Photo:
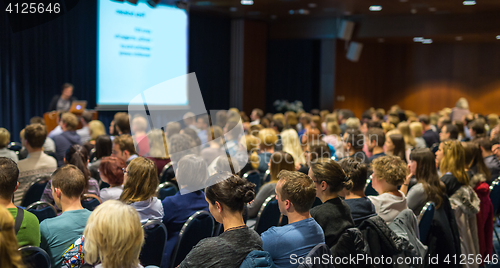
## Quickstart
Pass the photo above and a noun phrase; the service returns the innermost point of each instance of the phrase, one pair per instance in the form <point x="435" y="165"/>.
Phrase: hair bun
<point x="245" y="191"/>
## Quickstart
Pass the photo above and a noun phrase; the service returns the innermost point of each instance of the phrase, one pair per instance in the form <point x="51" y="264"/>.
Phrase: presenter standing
<point x="63" y="102"/>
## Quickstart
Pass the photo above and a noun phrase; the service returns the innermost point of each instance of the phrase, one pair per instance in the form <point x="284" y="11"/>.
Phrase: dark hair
<point x="280" y="161"/>
<point x="452" y="130"/>
<point x="103" y="146"/>
<point x="278" y="124"/>
<point x="379" y="115"/>
<point x="477" y="126"/>
<point x="399" y="146"/>
<point x="356" y="171"/>
<point x="70" y="180"/>
<point x="8" y="177"/>
<point x="259" y="112"/>
<point x="221" y="118"/>
<point x="376" y="134"/>
<point x="192" y="133"/>
<point x="37" y="120"/>
<point x="35" y="134"/>
<point x="424" y="119"/>
<point x="122" y="123"/>
<point x="331" y="172"/>
<point x="355" y="138"/>
<point x="112" y="167"/>
<point x="486" y="143"/>
<point x="319" y="149"/>
<point x="78" y="156"/>
<point x="474" y="159"/>
<point x="231" y="190"/>
<point x="426" y="174"/>
<point x="298" y="188"/>
<point x="65" y="86"/>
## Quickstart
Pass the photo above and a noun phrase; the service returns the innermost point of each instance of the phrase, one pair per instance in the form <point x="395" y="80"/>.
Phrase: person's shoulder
<point x="30" y="219"/>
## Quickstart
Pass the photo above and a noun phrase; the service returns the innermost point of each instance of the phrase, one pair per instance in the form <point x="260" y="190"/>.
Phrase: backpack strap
<point x="19" y="219"/>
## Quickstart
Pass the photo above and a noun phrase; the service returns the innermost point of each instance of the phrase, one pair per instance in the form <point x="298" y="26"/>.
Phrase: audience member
<point x="460" y="110"/>
<point x="305" y="124"/>
<point x="291" y="145"/>
<point x="334" y="216"/>
<point x="450" y="157"/>
<point x="429" y="135"/>
<point x="121" y="124"/>
<point x="28" y="231"/>
<point x="202" y="124"/>
<point x="59" y="233"/>
<point x="189" y="120"/>
<point x="110" y="243"/>
<point x="215" y="145"/>
<point x="139" y="190"/>
<point x="255" y="116"/>
<point x="48" y="145"/>
<point x="279" y="161"/>
<point x="295" y="193"/>
<point x="490" y="159"/>
<point x="158" y="149"/>
<point x="96" y="129"/>
<point x="389" y="172"/>
<point x="448" y="132"/>
<point x="410" y="142"/>
<point x="477" y="129"/>
<point x="334" y="139"/>
<point x="38" y="164"/>
<point x="9" y="255"/>
<point x="111" y="172"/>
<point x="267" y="139"/>
<point x="395" y="145"/>
<point x="139" y="127"/>
<point x="124" y="148"/>
<point x="84" y="132"/>
<point x="354" y="141"/>
<point x="226" y="201"/>
<point x="192" y="172"/>
<point x="4" y="141"/>
<point x="375" y="138"/>
<point x="103" y="148"/>
<point x="67" y="138"/>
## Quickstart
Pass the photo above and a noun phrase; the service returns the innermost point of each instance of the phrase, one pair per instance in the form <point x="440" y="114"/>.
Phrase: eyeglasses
<point x="124" y="170"/>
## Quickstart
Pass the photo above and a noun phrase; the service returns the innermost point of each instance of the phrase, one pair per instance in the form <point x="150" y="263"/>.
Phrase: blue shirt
<point x="178" y="208"/>
<point x="59" y="233"/>
<point x="297" y="238"/>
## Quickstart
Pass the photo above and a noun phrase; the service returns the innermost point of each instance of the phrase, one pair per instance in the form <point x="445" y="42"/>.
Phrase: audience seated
<point x="267" y="139"/>
<point x="84" y="132"/>
<point x="124" y="148"/>
<point x="191" y="171"/>
<point x="111" y="172"/>
<point x="375" y="137"/>
<point x="333" y="138"/>
<point x="490" y="159"/>
<point x="295" y="193"/>
<point x="291" y="145"/>
<point x="361" y="207"/>
<point x="395" y="145"/>
<point x="96" y="129"/>
<point x="429" y="135"/>
<point x="215" y="145"/>
<point x="202" y="124"/>
<point x="28" y="233"/>
<point x="334" y="216"/>
<point x="389" y="172"/>
<point x="139" y="127"/>
<point x="417" y="132"/>
<point x="103" y="148"/>
<point x="255" y="116"/>
<point x="354" y="141"/>
<point x="121" y="124"/>
<point x="37" y="164"/>
<point x="67" y="138"/>
<point x="9" y="255"/>
<point x="410" y="143"/>
<point x="57" y="234"/>
<point x="158" y="149"/>
<point x="226" y="200"/>
<point x="279" y="161"/>
<point x="4" y="141"/>
<point x="139" y="190"/>
<point x="77" y="156"/>
<point x="48" y="145"/>
<point x="108" y="242"/>
<point x="450" y="157"/>
<point x="448" y="132"/>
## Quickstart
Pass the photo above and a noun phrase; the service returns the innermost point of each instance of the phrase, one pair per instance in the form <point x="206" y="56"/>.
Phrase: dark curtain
<point x="34" y="64"/>
<point x="293" y="72"/>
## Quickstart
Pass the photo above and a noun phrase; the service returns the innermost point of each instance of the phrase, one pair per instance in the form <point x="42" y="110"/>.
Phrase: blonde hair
<point x="252" y="146"/>
<point x="267" y="137"/>
<point x="387" y="127"/>
<point x="332" y="128"/>
<point x="139" y="123"/>
<point x="291" y="145"/>
<point x="70" y="120"/>
<point x="352" y="122"/>
<point x="97" y="129"/>
<point x="4" y="137"/>
<point x="158" y="147"/>
<point x="462" y="103"/>
<point x="416" y="129"/>
<point x="9" y="255"/>
<point x="215" y="133"/>
<point x="404" y="128"/>
<point x="390" y="168"/>
<point x="113" y="236"/>
<point x="454" y="161"/>
<point x="142" y="181"/>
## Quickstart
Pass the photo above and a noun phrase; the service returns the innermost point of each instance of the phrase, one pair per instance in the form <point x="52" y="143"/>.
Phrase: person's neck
<point x="377" y="150"/>
<point x="355" y="195"/>
<point x="327" y="196"/>
<point x="233" y="220"/>
<point x="7" y="203"/>
<point x="354" y="152"/>
<point x="33" y="150"/>
<point x="487" y="153"/>
<point x="427" y="127"/>
<point x="391" y="190"/>
<point x="68" y="204"/>
<point x="267" y="150"/>
<point x="296" y="216"/>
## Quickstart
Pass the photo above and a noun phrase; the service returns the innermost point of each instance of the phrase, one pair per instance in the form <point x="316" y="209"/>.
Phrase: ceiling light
<point x="413" y="11"/>
<point x="498" y="37"/>
<point x="247" y="2"/>
<point x="459" y="38"/>
<point x="375" y="8"/>
<point x="427" y="41"/>
<point x="418" y="39"/>
<point x="312" y="5"/>
<point x="432" y="9"/>
<point x="469" y="2"/>
<point x="303" y="11"/>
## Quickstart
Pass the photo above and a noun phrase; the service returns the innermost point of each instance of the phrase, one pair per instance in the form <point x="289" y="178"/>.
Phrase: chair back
<point x="317" y="252"/>
<point x="155" y="234"/>
<point x="269" y="215"/>
<point x="253" y="176"/>
<point x="35" y="191"/>
<point x="44" y="213"/>
<point x="90" y="201"/>
<point x="266" y="177"/>
<point x="165" y="175"/>
<point x="15" y="146"/>
<point x="218" y="229"/>
<point x="166" y="189"/>
<point x="495" y="195"/>
<point x="199" y="226"/>
<point x="369" y="188"/>
<point x="425" y="221"/>
<point x="35" y="257"/>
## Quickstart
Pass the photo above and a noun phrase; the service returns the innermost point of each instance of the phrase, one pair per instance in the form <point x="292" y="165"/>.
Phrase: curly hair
<point x="391" y="169"/>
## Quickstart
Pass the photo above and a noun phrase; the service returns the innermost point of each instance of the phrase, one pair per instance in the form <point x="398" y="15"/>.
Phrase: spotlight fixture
<point x="375" y="8"/>
<point x="469" y="2"/>
<point x="247" y="2"/>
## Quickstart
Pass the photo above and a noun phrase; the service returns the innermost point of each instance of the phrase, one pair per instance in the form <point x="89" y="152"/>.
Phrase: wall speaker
<point x="354" y="51"/>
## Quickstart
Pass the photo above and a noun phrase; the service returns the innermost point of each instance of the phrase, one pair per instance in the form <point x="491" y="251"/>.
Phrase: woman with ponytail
<point x="334" y="215"/>
<point x="226" y="201"/>
<point x="76" y="155"/>
<point x="9" y="255"/>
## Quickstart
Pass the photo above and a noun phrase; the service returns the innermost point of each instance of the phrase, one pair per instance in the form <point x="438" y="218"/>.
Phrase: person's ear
<point x="288" y="204"/>
<point x="58" y="192"/>
<point x="17" y="186"/>
<point x="218" y="206"/>
<point x="323" y="185"/>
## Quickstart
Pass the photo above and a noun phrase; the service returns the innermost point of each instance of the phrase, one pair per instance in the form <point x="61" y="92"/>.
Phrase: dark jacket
<point x="406" y="227"/>
<point x="258" y="259"/>
<point x="63" y="142"/>
<point x="334" y="216"/>
<point x="430" y="138"/>
<point x="493" y="165"/>
<point x="55" y="99"/>
<point x="350" y="244"/>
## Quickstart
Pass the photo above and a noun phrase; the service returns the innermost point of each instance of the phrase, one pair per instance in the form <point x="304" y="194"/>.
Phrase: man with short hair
<point x="26" y="224"/>
<point x="490" y="159"/>
<point x="63" y="102"/>
<point x="139" y="128"/>
<point x="124" y="148"/>
<point x="190" y="121"/>
<point x="354" y="141"/>
<point x="429" y="135"/>
<point x="448" y="132"/>
<point x="375" y="138"/>
<point x="202" y="124"/>
<point x="67" y="138"/>
<point x="121" y="124"/>
<point x="37" y="164"/>
<point x="84" y="132"/>
<point x="255" y="116"/>
<point x="477" y="129"/>
<point x="49" y="144"/>
<point x="295" y="193"/>
<point x="59" y="233"/>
